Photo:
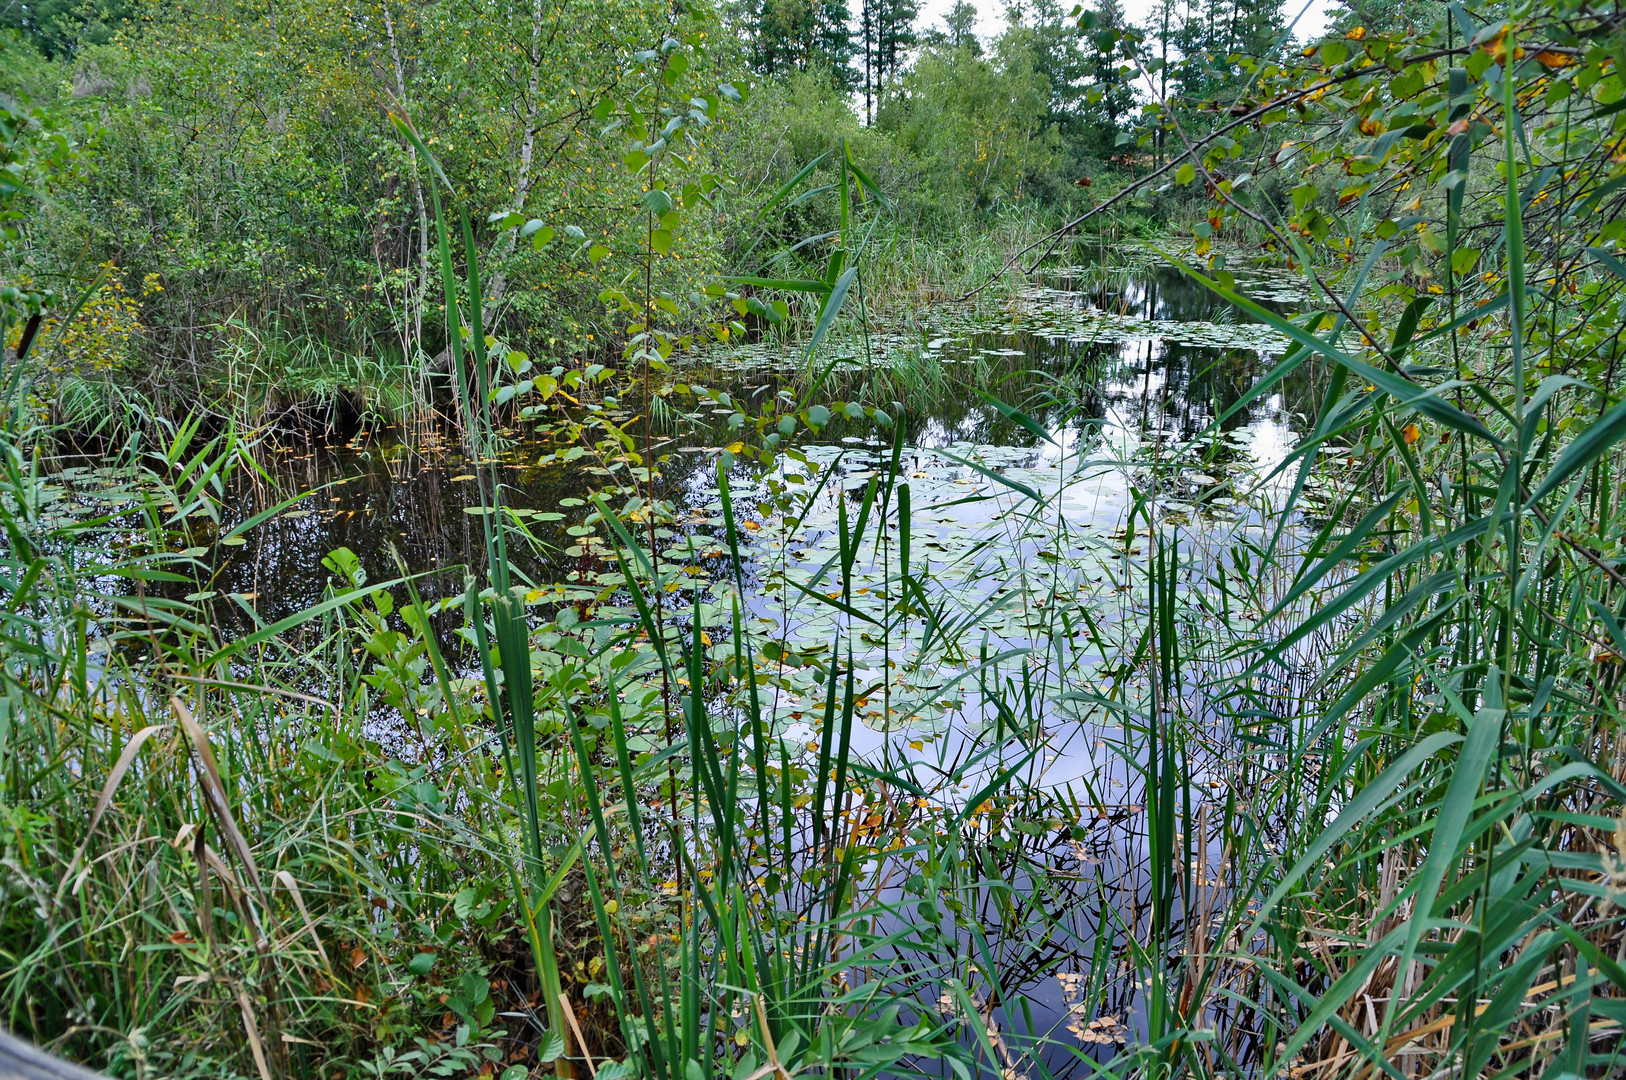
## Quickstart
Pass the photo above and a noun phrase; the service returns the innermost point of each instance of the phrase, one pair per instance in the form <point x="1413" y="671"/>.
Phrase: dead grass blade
<point x="214" y="790"/>
<point x="109" y="789"/>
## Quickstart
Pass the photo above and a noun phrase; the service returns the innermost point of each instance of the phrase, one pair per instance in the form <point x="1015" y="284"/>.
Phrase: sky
<point x="991" y="15"/>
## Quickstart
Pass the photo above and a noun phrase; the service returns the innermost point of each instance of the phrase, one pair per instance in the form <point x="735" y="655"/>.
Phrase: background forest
<point x="245" y="187"/>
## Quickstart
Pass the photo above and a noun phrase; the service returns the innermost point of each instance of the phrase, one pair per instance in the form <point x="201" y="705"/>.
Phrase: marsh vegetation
<point x="651" y="541"/>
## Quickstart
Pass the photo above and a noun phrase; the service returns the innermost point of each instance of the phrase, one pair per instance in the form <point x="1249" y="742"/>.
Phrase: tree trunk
<point x="413" y="335"/>
<point x="527" y="147"/>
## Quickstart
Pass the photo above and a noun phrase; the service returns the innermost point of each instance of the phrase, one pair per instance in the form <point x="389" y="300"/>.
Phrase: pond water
<point x="1146" y="364"/>
<point x="1018" y="540"/>
<point x="1123" y="370"/>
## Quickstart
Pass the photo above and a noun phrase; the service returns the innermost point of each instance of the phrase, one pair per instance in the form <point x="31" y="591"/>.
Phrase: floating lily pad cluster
<point x="1014" y="552"/>
<point x="1064" y="313"/>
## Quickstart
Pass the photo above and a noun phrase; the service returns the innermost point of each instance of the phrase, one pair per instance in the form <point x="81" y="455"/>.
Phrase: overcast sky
<point x="991" y="14"/>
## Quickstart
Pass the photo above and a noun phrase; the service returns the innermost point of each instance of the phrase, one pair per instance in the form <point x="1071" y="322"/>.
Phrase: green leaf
<point x="1606" y="260"/>
<point x="790" y="185"/>
<point x="1594" y="442"/>
<point x="998" y="478"/>
<point x="864" y="182"/>
<point x="342" y="562"/>
<point x="822" y="288"/>
<point x="1423" y="399"/>
<point x="658" y="202"/>
<point x="1016" y="415"/>
<point x="817" y="417"/>
<point x="551" y="1048"/>
<point x="832" y="308"/>
<point x="421" y="964"/>
<point x="661" y="241"/>
<point x="1467" y="774"/>
<point x="1185" y="174"/>
<point x="1407" y="326"/>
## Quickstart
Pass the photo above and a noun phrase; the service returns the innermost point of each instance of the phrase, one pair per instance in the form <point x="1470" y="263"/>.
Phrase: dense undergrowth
<point x="266" y="239"/>
<point x="1354" y="787"/>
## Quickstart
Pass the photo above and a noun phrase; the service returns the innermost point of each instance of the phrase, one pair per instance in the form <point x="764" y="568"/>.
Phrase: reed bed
<point x="1355" y="806"/>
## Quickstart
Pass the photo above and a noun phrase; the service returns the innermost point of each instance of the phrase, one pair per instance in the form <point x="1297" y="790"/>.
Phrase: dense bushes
<point x="247" y="170"/>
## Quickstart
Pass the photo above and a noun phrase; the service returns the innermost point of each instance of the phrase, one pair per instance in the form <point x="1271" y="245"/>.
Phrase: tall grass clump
<point x="1371" y="746"/>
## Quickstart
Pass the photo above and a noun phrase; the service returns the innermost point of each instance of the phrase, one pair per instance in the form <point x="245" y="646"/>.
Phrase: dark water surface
<point x="379" y="496"/>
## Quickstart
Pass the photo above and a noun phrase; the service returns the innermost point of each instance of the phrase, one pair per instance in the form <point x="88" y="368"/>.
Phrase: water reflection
<point x="1128" y="394"/>
<point x="379" y="498"/>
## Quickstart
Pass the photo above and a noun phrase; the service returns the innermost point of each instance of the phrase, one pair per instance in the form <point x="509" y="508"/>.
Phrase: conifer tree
<point x="800" y="35"/>
<point x="887" y="30"/>
<point x="961" y="24"/>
